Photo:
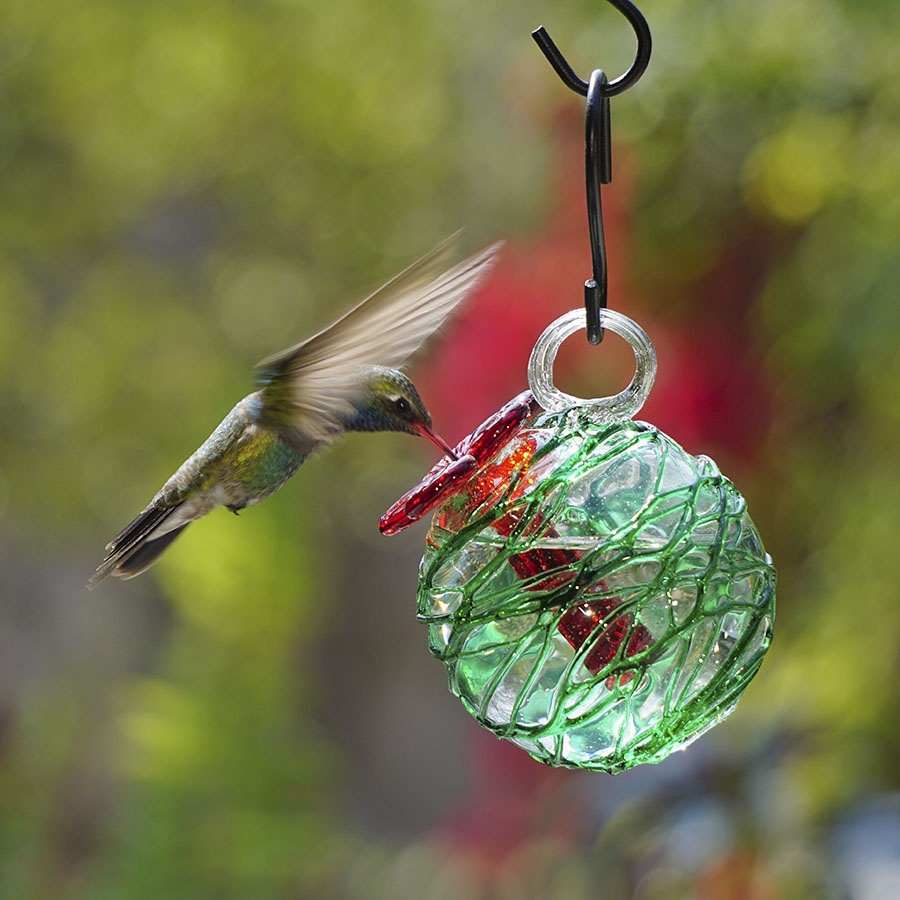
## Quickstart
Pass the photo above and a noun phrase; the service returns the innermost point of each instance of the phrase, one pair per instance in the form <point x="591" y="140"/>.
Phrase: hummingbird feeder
<point x="598" y="596"/>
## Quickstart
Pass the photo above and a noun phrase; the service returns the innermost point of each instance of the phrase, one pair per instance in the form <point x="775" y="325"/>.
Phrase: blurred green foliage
<point x="188" y="186"/>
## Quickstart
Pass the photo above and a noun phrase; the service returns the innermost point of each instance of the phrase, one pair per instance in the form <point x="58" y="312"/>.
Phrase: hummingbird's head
<point x="392" y="403"/>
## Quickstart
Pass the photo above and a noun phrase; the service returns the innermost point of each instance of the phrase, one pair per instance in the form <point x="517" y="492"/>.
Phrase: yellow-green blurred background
<point x="188" y="186"/>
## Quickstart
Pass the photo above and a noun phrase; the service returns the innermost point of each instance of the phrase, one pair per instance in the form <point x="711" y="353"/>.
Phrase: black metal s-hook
<point x="598" y="145"/>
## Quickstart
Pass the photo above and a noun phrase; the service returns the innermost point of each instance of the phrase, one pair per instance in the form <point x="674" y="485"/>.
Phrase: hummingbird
<point x="344" y="378"/>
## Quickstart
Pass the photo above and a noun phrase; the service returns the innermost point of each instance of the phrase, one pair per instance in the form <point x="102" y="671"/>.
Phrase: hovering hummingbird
<point x="341" y="379"/>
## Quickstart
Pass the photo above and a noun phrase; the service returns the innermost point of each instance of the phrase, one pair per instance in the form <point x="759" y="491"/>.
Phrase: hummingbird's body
<point x="339" y="380"/>
<point x="240" y="463"/>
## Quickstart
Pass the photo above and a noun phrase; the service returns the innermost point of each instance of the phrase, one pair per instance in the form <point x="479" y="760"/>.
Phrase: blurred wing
<point x="309" y="388"/>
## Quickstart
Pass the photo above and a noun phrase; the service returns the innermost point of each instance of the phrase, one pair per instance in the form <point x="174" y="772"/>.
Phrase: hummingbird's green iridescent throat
<point x="344" y="378"/>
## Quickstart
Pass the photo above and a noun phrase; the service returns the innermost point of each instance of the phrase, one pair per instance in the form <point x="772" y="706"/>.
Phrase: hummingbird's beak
<point x="436" y="439"/>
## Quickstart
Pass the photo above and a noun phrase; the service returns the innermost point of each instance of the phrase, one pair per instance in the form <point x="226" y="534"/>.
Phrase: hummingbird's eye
<point x="402" y="407"/>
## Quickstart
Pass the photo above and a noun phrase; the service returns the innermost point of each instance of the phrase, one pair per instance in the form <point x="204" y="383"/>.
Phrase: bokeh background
<point x="188" y="186"/>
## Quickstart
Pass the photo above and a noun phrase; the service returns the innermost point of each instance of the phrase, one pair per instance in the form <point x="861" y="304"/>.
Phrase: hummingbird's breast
<point x="257" y="465"/>
<point x="239" y="464"/>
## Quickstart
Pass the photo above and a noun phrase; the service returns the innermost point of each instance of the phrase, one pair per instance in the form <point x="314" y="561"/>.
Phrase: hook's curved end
<point x="623" y="82"/>
<point x="644" y="47"/>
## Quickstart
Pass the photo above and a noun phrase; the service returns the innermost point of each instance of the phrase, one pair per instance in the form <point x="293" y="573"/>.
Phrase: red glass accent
<point x="579" y="622"/>
<point x="443" y="480"/>
<point x="497" y="431"/>
<point x="447" y="476"/>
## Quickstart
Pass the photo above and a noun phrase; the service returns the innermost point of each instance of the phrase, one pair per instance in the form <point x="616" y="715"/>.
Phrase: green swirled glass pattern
<point x="598" y="596"/>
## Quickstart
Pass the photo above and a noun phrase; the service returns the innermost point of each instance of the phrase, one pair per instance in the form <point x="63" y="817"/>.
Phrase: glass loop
<point x="617" y="407"/>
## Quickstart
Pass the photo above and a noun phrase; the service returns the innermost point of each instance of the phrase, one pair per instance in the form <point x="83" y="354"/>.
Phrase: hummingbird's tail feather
<point x="133" y="550"/>
<point x="147" y="553"/>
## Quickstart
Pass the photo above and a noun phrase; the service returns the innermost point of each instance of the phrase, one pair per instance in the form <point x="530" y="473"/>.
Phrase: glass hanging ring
<point x="617" y="407"/>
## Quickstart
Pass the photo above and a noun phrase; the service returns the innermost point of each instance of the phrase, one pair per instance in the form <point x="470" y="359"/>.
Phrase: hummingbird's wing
<point x="310" y="387"/>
